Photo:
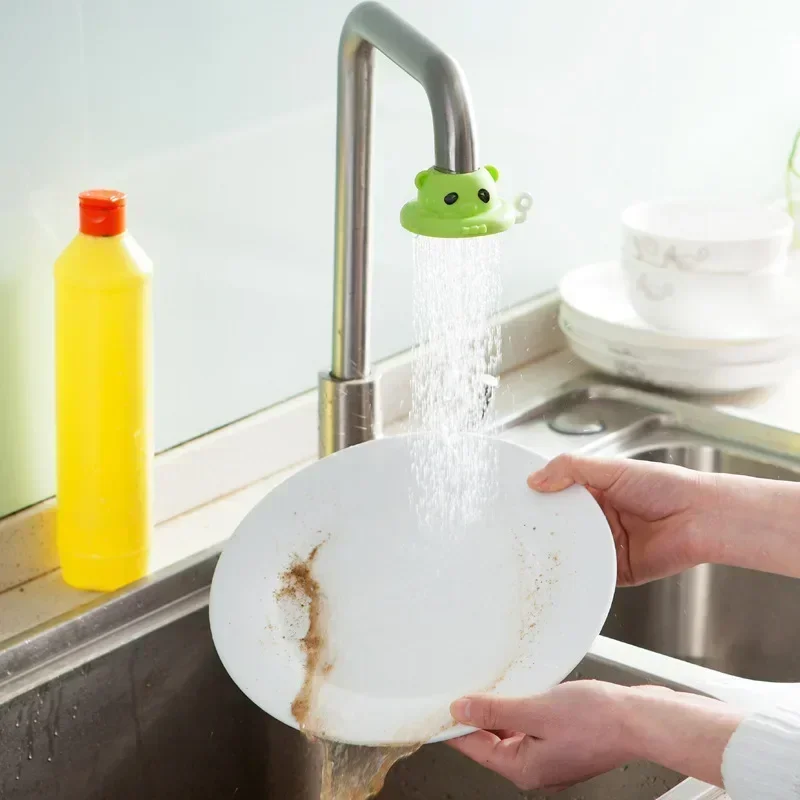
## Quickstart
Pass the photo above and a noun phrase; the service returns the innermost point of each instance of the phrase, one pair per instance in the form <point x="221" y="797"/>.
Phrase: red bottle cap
<point x="102" y="212"/>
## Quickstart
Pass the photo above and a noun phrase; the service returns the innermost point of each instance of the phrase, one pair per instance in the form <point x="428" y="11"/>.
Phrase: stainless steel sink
<point x="128" y="700"/>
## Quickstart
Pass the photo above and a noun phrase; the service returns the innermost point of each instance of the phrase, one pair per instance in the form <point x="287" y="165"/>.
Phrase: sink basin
<point x="134" y="704"/>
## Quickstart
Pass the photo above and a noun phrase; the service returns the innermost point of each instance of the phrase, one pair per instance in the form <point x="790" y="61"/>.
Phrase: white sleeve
<point x="762" y="759"/>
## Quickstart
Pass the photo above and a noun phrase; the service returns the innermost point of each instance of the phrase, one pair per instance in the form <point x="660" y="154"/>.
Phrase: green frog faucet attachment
<point x="459" y="205"/>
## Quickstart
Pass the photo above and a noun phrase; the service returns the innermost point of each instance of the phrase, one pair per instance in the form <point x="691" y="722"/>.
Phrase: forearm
<point x="754" y="524"/>
<point x="679" y="731"/>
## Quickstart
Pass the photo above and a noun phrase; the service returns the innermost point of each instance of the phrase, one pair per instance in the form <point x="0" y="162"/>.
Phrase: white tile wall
<point x="217" y="117"/>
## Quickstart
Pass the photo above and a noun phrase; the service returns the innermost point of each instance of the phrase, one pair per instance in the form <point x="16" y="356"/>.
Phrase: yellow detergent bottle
<point x="103" y="399"/>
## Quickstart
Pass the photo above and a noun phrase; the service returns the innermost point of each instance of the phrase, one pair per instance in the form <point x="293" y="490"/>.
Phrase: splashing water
<point x="456" y="293"/>
<point x="354" y="773"/>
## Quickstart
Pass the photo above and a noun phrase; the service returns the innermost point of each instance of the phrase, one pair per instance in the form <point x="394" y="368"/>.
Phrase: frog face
<point x="457" y="196"/>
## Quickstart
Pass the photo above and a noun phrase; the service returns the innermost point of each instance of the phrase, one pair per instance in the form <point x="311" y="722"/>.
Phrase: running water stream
<point x="456" y="295"/>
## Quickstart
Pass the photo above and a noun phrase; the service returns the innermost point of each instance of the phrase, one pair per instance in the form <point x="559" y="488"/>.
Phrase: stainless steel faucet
<point x="348" y="394"/>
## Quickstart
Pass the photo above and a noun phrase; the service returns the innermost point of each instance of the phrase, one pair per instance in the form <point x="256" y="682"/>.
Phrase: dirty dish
<point x="406" y="617"/>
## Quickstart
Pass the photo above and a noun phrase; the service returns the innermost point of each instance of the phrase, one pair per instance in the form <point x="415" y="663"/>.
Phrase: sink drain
<point x="577" y="422"/>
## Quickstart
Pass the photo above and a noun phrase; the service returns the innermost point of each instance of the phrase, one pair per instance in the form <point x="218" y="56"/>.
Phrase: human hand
<point x="549" y="742"/>
<point x="581" y="729"/>
<point x="661" y="516"/>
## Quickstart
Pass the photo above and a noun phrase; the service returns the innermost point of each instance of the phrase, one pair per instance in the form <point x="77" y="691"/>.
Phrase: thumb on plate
<point x="491" y="713"/>
<point x="566" y="470"/>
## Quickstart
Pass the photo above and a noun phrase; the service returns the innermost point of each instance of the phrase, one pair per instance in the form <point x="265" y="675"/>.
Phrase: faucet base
<point x="348" y="412"/>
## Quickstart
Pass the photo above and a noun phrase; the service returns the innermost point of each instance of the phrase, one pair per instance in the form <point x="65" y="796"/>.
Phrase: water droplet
<point x="30" y="756"/>
<point x="50" y="759"/>
<point x="55" y="732"/>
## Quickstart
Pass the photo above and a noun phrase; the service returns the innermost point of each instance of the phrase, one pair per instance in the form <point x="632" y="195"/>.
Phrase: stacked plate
<point x="604" y="331"/>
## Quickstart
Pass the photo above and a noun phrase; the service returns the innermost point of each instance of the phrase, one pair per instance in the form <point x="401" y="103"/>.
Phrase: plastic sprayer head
<point x="457" y="206"/>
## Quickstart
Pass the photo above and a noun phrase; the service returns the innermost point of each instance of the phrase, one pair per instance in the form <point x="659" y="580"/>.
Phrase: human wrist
<point x="636" y="709"/>
<point x="751" y="523"/>
<point x="682" y="732"/>
<point x="726" y="508"/>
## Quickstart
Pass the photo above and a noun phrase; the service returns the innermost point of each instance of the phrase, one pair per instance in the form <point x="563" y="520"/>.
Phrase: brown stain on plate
<point x="298" y="583"/>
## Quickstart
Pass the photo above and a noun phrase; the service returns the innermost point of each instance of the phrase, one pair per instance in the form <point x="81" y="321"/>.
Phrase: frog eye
<point x="484" y="195"/>
<point x="450" y="198"/>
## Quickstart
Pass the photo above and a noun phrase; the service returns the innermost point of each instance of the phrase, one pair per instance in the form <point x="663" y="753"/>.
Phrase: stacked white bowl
<point x="701" y="300"/>
<point x="704" y="271"/>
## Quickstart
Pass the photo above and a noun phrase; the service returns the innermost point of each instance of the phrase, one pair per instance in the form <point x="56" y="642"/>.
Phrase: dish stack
<point x="701" y="301"/>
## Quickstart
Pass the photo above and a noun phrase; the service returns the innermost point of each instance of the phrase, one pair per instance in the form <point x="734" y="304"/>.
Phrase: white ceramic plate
<point x="510" y="603"/>
<point x="709" y="380"/>
<point x="596" y="294"/>
<point x="623" y="345"/>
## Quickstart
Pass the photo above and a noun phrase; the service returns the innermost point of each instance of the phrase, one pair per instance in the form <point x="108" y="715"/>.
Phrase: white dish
<point x="417" y="618"/>
<point x="703" y="304"/>
<point x="596" y="295"/>
<point x="711" y="380"/>
<point x="692" y="237"/>
<point x="625" y="346"/>
<point x="666" y="358"/>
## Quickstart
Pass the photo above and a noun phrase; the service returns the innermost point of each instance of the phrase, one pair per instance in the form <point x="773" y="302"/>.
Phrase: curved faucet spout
<point x="371" y="25"/>
<point x="347" y="393"/>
